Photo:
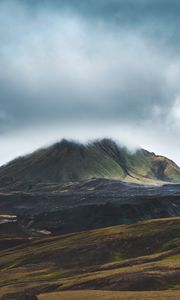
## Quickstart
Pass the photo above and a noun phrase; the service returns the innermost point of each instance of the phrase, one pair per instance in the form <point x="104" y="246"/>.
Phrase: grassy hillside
<point x="149" y="165"/>
<point x="141" y="257"/>
<point x="109" y="295"/>
<point x="70" y="162"/>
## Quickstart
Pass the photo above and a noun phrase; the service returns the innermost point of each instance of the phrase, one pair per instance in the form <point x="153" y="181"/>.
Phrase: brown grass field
<point x="111" y="295"/>
<point x="137" y="261"/>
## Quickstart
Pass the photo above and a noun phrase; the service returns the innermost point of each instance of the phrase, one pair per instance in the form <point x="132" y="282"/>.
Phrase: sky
<point x="84" y="70"/>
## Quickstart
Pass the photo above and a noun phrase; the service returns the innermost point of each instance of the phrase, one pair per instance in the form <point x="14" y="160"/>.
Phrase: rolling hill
<point x="68" y="161"/>
<point x="137" y="257"/>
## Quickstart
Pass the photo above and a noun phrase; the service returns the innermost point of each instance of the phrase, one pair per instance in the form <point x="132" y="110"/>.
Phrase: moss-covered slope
<point x="70" y="162"/>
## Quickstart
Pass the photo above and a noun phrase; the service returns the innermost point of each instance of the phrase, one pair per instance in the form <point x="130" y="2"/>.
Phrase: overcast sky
<point x="88" y="69"/>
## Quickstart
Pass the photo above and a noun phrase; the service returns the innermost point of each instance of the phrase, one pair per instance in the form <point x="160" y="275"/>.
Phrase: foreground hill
<point x="71" y="162"/>
<point x="111" y="295"/>
<point x="140" y="257"/>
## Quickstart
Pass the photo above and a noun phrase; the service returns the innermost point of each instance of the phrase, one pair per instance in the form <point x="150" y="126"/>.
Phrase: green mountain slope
<point x="68" y="161"/>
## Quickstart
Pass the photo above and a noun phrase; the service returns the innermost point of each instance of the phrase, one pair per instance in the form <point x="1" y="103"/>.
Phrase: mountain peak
<point x="69" y="161"/>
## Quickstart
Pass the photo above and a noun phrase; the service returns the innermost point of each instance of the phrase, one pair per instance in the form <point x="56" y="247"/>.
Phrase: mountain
<point x="68" y="161"/>
<point x="59" y="207"/>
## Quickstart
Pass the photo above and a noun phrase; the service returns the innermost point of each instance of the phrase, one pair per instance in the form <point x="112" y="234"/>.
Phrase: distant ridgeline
<point x="69" y="161"/>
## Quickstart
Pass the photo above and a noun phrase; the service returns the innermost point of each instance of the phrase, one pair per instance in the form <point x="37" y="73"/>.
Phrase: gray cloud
<point x="89" y="62"/>
<point x="157" y="18"/>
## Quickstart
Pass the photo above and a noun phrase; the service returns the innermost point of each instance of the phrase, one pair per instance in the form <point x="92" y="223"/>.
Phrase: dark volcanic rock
<point x="109" y="203"/>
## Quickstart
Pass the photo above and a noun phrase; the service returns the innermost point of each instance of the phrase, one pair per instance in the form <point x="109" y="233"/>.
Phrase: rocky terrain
<point x="93" y="204"/>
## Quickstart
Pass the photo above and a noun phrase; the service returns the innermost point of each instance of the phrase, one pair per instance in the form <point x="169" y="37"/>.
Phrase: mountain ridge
<point x="69" y="161"/>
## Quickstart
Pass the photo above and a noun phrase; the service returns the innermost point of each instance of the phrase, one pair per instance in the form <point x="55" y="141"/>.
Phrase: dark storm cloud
<point x="128" y="90"/>
<point x="129" y="10"/>
<point x="156" y="17"/>
<point x="89" y="61"/>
